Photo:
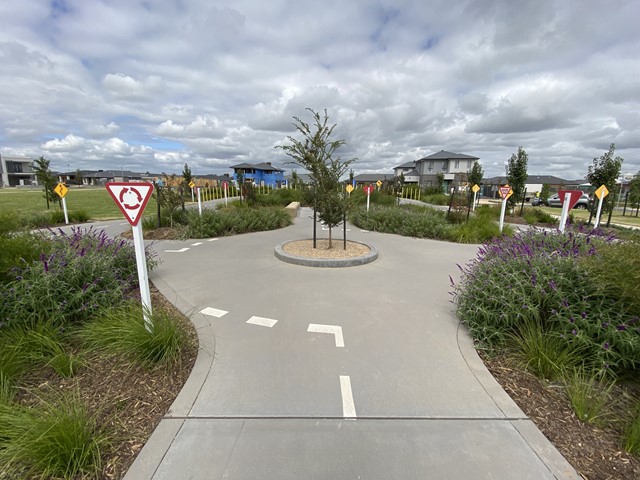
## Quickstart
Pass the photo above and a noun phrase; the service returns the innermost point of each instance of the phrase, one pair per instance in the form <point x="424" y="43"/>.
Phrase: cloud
<point x="99" y="84"/>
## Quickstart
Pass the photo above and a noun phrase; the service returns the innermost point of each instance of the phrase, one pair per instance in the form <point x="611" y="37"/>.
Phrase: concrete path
<point x="347" y="373"/>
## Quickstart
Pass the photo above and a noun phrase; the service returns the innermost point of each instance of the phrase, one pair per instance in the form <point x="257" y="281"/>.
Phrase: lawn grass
<point x="617" y="218"/>
<point x="95" y="201"/>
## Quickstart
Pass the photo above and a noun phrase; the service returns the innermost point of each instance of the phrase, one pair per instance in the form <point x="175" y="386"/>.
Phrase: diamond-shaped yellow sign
<point x="349" y="188"/>
<point x="191" y="184"/>
<point x="475" y="188"/>
<point x="379" y="183"/>
<point x="61" y="189"/>
<point x="602" y="192"/>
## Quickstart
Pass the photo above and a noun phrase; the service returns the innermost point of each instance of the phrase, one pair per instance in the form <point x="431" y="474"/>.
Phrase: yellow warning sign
<point x="61" y="189"/>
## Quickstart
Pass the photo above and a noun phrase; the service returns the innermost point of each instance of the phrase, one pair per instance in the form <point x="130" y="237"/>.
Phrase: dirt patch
<point x="304" y="248"/>
<point x="595" y="453"/>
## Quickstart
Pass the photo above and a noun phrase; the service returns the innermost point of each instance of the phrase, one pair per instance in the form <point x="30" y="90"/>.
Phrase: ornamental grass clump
<point x="232" y="221"/>
<point x="540" y="277"/>
<point x="76" y="275"/>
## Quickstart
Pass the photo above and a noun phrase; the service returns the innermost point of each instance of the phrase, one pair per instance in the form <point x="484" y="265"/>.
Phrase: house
<point x="408" y="171"/>
<point x="16" y="172"/>
<point x="101" y="177"/>
<point x="372" y="178"/>
<point x="263" y="174"/>
<point x="453" y="166"/>
<point x="533" y="184"/>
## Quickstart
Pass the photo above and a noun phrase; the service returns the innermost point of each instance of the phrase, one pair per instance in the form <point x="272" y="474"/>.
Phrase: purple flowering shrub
<point x="78" y="274"/>
<point x="541" y="277"/>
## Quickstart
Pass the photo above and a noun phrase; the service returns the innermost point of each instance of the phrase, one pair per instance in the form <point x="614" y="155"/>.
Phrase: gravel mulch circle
<point x="304" y="248"/>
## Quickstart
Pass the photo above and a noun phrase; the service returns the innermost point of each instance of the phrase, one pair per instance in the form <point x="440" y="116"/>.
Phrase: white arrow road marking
<point x="212" y="240"/>
<point x="177" y="251"/>
<point x="263" y="322"/>
<point x="332" y="329"/>
<point x="348" y="407"/>
<point x="196" y="244"/>
<point x="214" y="312"/>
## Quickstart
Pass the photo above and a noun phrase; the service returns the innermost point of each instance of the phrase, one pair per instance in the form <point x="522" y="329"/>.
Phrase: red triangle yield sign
<point x="131" y="198"/>
<point x="573" y="199"/>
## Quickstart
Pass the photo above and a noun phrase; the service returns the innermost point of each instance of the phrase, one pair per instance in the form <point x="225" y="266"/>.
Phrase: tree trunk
<point x="330" y="244"/>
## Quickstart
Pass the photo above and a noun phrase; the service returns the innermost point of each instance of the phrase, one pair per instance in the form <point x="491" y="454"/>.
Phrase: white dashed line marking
<point x="348" y="407"/>
<point x="326" y="228"/>
<point x="196" y="244"/>
<point x="212" y="240"/>
<point x="105" y="226"/>
<point x="364" y="231"/>
<point x="213" y="312"/>
<point x="125" y="223"/>
<point x="177" y="251"/>
<point x="261" y="321"/>
<point x="332" y="329"/>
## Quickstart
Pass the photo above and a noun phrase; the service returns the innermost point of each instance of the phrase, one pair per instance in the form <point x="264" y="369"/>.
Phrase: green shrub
<point x="535" y="216"/>
<point x="378" y="197"/>
<point x="78" y="216"/>
<point x="631" y="436"/>
<point x="233" y="221"/>
<point x="59" y="439"/>
<point x="18" y="250"/>
<point x="81" y="273"/>
<point x="490" y="211"/>
<point x="410" y="222"/>
<point x="478" y="230"/>
<point x="590" y="397"/>
<point x="122" y="332"/>
<point x="545" y="354"/>
<point x="436" y="199"/>
<point x="537" y="277"/>
<point x="280" y="197"/>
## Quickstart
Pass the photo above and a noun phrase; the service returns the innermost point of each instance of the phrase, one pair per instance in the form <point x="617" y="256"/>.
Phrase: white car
<point x="554" y="201"/>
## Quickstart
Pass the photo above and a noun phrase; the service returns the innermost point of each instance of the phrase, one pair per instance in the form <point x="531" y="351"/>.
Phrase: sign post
<point x="349" y="189"/>
<point x="132" y="198"/>
<point x="568" y="199"/>
<point x="601" y="192"/>
<point x="505" y="193"/>
<point x="368" y="189"/>
<point x="199" y="201"/>
<point x="191" y="185"/>
<point x="61" y="189"/>
<point x="475" y="189"/>
<point x="225" y="185"/>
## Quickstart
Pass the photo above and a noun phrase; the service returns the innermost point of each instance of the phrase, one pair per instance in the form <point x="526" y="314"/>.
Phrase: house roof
<point x="256" y="166"/>
<point x="411" y="164"/>
<point x="112" y="173"/>
<point x="548" y="179"/>
<point x="412" y="173"/>
<point x="444" y="155"/>
<point x="373" y="177"/>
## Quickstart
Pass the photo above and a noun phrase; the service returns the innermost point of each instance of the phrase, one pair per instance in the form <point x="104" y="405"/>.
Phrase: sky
<point x="152" y="85"/>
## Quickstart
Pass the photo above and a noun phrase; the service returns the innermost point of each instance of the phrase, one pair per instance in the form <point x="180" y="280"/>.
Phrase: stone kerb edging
<point x="326" y="262"/>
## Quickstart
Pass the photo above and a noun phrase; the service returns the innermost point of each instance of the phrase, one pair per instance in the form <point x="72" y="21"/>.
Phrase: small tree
<point x="79" y="177"/>
<point x="634" y="192"/>
<point x="317" y="154"/>
<point x="475" y="175"/>
<point x="605" y="171"/>
<point x="544" y="193"/>
<point x="517" y="175"/>
<point x="45" y="178"/>
<point x="440" y="180"/>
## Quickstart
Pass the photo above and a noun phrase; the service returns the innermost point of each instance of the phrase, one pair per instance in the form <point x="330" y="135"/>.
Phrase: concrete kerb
<point x="326" y="262"/>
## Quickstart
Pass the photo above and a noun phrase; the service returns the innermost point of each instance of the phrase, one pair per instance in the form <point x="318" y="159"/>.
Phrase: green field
<point x="96" y="202"/>
<point x="628" y="220"/>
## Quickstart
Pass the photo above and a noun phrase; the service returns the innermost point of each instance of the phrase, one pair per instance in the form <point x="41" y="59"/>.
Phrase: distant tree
<point x="475" y="175"/>
<point x="544" y="193"/>
<point x="440" y="180"/>
<point x="187" y="178"/>
<point x="517" y="175"/>
<point x="351" y="176"/>
<point x="317" y="153"/>
<point x="605" y="171"/>
<point x="79" y="177"/>
<point x="634" y="192"/>
<point x="45" y="178"/>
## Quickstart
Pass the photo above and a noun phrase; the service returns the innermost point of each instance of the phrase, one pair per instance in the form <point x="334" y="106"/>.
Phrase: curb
<point x="327" y="262"/>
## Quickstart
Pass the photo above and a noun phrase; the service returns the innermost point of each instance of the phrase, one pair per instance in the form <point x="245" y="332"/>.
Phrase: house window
<point x="457" y="164"/>
<point x="430" y="166"/>
<point x="444" y="166"/>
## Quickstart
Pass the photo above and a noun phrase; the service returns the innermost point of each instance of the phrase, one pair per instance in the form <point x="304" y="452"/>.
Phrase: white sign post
<point x="565" y="212"/>
<point x="601" y="192"/>
<point x="61" y="189"/>
<point x="64" y="208"/>
<point x="132" y="198"/>
<point x="505" y="193"/>
<point x="225" y="185"/>
<point x="367" y="190"/>
<point x="199" y="201"/>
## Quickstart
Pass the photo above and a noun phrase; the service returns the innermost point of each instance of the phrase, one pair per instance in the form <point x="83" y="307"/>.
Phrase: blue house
<point x="263" y="174"/>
